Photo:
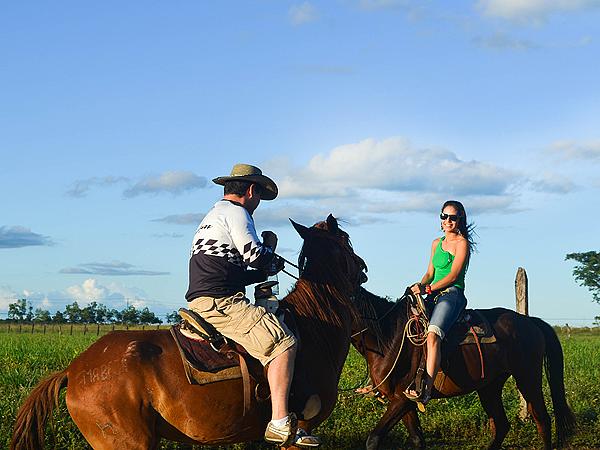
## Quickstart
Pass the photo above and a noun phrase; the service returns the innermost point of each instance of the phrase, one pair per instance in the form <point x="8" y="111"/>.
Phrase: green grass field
<point x="455" y="423"/>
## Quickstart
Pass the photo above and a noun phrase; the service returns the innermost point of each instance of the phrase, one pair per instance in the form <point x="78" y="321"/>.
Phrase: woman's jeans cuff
<point x="437" y="330"/>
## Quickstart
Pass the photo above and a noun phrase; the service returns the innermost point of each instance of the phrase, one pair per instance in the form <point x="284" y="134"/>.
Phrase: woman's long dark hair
<point x="466" y="229"/>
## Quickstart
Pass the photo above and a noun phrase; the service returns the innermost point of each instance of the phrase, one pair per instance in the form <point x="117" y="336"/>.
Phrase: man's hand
<point x="269" y="239"/>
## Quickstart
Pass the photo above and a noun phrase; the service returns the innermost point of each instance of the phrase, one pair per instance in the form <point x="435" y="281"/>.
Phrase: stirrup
<point x="422" y="395"/>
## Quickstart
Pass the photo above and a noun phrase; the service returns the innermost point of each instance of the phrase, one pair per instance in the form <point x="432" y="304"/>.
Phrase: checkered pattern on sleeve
<point x="251" y="252"/>
<point x="212" y="247"/>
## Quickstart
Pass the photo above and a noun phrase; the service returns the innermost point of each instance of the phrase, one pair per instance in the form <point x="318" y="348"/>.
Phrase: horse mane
<point x="379" y="316"/>
<point x="319" y="300"/>
<point x="329" y="279"/>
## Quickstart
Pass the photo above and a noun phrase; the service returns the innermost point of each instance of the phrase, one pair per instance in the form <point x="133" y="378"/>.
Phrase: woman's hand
<point x="416" y="288"/>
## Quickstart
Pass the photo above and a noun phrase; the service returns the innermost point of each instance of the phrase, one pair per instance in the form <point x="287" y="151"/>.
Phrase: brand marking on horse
<point x="105" y="372"/>
<point x="105" y="426"/>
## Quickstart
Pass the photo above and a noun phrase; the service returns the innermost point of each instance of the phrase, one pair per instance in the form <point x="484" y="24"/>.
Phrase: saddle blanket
<point x="202" y="364"/>
<point x="471" y="321"/>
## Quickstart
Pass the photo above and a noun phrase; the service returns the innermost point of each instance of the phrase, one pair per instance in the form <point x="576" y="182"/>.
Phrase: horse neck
<point x="324" y="320"/>
<point x="382" y="322"/>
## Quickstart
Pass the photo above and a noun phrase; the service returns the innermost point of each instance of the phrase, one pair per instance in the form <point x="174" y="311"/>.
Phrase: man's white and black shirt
<point x="224" y="246"/>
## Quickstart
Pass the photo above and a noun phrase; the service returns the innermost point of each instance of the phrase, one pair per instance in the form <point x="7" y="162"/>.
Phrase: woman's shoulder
<point x="435" y="242"/>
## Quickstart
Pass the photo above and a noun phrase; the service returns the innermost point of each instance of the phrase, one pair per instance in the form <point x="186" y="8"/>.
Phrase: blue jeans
<point x="448" y="305"/>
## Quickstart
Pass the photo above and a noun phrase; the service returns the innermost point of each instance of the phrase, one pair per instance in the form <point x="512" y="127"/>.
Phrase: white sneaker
<point x="303" y="439"/>
<point x="282" y="435"/>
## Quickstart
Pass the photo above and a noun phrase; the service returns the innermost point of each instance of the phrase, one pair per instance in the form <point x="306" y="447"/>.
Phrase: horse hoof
<point x="372" y="442"/>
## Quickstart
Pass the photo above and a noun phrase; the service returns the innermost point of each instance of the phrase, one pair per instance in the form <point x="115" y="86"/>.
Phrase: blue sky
<point x="115" y="117"/>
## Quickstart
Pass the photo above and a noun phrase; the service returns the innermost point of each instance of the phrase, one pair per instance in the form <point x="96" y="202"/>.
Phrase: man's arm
<point x="254" y="253"/>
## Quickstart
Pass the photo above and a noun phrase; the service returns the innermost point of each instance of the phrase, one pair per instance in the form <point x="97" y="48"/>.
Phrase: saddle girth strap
<point x="480" y="352"/>
<point x="246" y="383"/>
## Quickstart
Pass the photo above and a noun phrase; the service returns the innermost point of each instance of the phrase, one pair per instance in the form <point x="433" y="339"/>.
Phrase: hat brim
<point x="269" y="191"/>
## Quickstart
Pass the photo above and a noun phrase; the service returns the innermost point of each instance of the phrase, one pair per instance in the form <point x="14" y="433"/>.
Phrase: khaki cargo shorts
<point x="255" y="329"/>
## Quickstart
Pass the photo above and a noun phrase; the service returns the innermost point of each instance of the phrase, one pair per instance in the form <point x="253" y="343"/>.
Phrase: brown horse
<point x="128" y="389"/>
<point x="524" y="344"/>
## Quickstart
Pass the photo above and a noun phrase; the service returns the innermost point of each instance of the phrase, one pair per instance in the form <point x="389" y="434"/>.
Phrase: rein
<point x="291" y="264"/>
<point x="417" y="338"/>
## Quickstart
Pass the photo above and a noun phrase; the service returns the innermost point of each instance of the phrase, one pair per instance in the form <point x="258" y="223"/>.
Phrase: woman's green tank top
<point x="442" y="263"/>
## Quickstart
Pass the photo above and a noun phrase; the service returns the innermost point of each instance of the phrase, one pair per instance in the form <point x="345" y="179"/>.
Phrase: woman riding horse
<point x="444" y="283"/>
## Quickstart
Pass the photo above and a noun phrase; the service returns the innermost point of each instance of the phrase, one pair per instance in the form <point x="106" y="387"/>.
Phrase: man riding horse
<point x="224" y="247"/>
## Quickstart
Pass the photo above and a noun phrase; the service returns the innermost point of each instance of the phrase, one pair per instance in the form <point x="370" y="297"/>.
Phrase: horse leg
<point x="490" y="397"/>
<point x="396" y="409"/>
<point x="413" y="425"/>
<point x="107" y="428"/>
<point x="531" y="388"/>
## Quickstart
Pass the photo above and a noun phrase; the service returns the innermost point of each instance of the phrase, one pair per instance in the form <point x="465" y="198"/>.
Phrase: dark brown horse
<point x="128" y="389"/>
<point x="524" y="344"/>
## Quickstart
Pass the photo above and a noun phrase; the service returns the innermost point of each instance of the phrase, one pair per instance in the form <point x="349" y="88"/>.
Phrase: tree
<point x="88" y="314"/>
<point x="17" y="310"/>
<point x="58" y="317"/>
<point x="114" y="316"/>
<point x="73" y="313"/>
<point x="147" y="317"/>
<point x="587" y="272"/>
<point x="173" y="317"/>
<point x="29" y="315"/>
<point x="42" y="315"/>
<point x="130" y="315"/>
<point x="102" y="314"/>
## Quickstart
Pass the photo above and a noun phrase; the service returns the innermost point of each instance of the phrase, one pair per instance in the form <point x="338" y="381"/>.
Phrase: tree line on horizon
<point x="586" y="272"/>
<point x="22" y="311"/>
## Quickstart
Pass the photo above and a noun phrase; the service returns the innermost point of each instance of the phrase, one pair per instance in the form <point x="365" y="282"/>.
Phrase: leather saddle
<point x="208" y="356"/>
<point x="470" y="328"/>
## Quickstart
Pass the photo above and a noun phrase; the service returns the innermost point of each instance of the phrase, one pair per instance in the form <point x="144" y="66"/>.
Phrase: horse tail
<point x="554" y="365"/>
<point x="28" y="433"/>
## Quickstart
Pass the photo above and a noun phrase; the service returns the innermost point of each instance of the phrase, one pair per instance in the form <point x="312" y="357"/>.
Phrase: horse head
<point x="327" y="256"/>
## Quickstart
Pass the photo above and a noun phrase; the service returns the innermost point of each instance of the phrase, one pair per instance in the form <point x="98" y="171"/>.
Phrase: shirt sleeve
<point x="253" y="252"/>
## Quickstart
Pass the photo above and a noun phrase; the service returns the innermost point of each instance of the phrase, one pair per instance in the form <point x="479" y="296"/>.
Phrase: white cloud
<point x="111" y="294"/>
<point x="302" y="13"/>
<point x="532" y="10"/>
<point x="81" y="188"/>
<point x="502" y="41"/>
<point x="382" y="4"/>
<point x="571" y="150"/>
<point x="17" y="237"/>
<point x="174" y="182"/>
<point x="553" y="183"/>
<point x="373" y="180"/>
<point x="7" y="296"/>
<point x="114" y="268"/>
<point x="393" y="165"/>
<point x="182" y="219"/>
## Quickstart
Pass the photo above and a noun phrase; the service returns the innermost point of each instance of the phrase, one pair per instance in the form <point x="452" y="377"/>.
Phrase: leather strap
<point x="480" y="352"/>
<point x="246" y="382"/>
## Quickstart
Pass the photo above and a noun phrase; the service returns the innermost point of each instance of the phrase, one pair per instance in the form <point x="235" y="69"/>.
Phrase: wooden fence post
<point x="522" y="295"/>
<point x="98" y="330"/>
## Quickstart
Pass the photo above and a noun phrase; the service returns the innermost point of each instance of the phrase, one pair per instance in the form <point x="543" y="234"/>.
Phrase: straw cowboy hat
<point x="246" y="172"/>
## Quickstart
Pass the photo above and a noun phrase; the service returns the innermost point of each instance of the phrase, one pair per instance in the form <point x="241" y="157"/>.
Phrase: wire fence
<point x="67" y="329"/>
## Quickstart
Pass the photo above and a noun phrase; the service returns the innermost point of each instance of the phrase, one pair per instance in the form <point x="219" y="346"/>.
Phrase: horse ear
<point x="332" y="224"/>
<point x="301" y="229"/>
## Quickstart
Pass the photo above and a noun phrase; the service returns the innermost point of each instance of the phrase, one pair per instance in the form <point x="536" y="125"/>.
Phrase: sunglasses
<point x="451" y="217"/>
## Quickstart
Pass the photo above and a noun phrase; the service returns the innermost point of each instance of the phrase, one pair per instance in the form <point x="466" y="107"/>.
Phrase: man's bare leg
<point x="279" y="375"/>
